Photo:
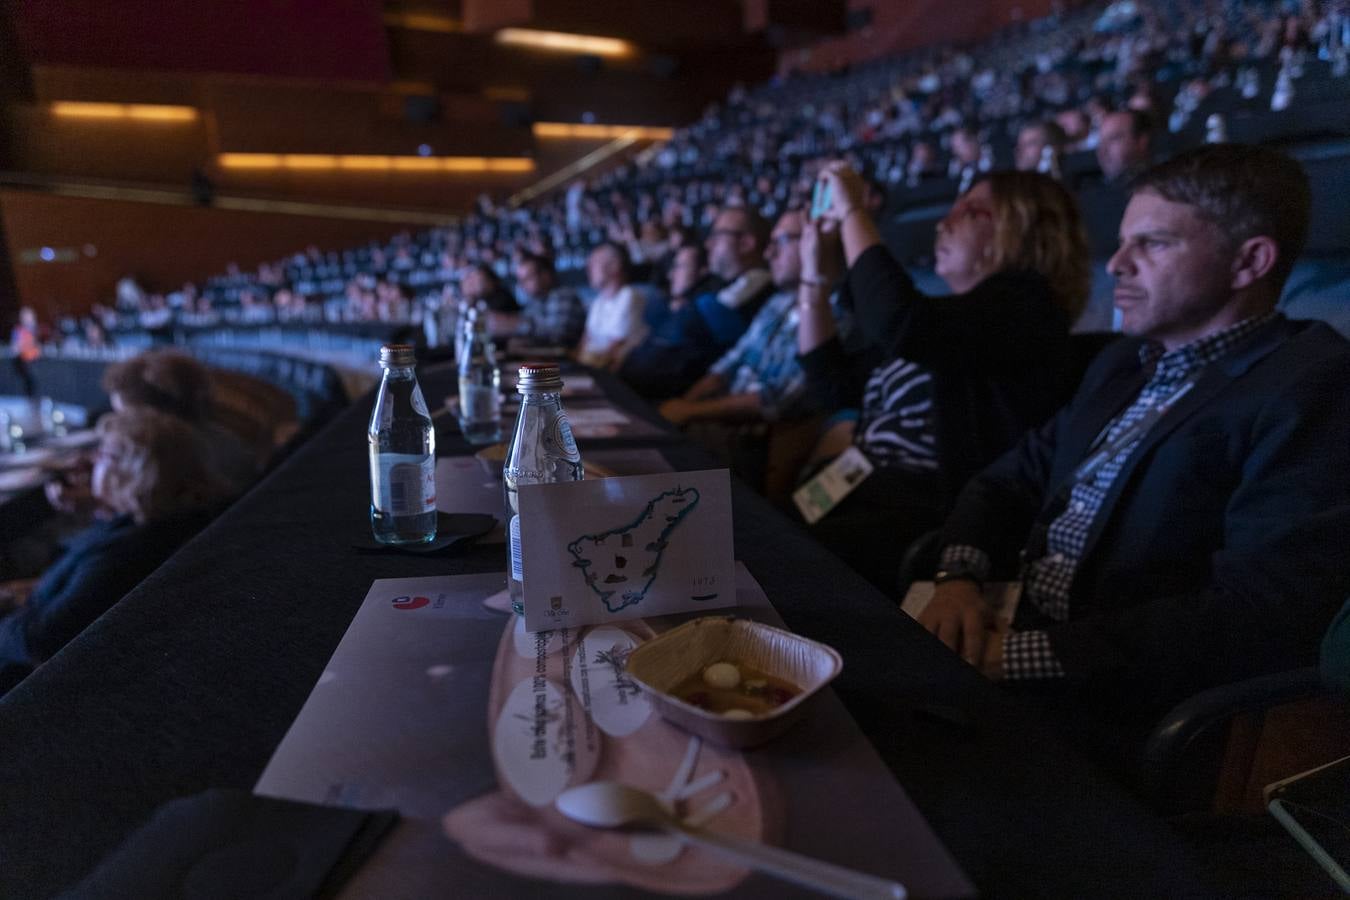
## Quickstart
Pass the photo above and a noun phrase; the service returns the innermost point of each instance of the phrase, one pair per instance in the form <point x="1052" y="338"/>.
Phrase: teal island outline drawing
<point x="628" y="567"/>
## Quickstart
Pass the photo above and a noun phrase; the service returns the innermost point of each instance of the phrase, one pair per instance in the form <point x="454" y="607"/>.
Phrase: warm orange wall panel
<point x="489" y="15"/>
<point x="159" y="152"/>
<point x="163" y="246"/>
<point x="443" y="192"/>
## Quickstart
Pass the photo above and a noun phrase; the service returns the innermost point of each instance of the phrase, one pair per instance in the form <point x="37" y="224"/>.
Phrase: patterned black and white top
<point x="942" y="385"/>
<point x="895" y="427"/>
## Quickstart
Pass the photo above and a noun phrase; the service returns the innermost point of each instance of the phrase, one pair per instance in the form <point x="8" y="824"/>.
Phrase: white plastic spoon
<point x="608" y="804"/>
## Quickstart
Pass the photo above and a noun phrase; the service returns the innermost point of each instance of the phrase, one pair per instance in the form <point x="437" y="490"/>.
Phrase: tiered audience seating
<point x="1268" y="76"/>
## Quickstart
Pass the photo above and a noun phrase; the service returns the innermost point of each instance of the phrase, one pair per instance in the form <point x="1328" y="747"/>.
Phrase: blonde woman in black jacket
<point x="940" y="385"/>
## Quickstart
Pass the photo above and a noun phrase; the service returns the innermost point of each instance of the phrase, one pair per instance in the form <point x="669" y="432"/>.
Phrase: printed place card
<point x="625" y="548"/>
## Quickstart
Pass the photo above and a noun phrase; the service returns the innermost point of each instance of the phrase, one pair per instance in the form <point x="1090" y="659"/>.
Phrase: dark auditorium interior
<point x="927" y="411"/>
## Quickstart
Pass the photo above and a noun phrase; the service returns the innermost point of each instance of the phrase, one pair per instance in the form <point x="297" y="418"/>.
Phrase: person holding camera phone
<point x="941" y="385"/>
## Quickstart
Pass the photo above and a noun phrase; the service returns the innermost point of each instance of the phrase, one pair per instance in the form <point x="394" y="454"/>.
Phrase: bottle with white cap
<point x="402" y="454"/>
<point x="541" y="451"/>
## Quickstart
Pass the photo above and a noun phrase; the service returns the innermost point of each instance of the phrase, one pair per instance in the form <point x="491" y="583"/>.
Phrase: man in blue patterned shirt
<point x="1182" y="522"/>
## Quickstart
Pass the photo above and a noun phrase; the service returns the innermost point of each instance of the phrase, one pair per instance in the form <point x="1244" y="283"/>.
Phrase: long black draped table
<point x="192" y="680"/>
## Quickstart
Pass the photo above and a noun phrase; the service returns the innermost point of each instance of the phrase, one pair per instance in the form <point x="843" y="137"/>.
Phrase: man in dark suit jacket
<point x="1182" y="523"/>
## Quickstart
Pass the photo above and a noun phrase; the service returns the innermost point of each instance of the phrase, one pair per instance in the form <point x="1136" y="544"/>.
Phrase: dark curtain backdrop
<point x="343" y="39"/>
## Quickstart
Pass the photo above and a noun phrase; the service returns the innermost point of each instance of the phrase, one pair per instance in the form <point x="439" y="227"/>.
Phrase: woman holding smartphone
<point x="941" y="385"/>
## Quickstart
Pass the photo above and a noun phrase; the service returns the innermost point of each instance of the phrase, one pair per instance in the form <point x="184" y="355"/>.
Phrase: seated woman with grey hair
<point x="173" y="383"/>
<point x="151" y="472"/>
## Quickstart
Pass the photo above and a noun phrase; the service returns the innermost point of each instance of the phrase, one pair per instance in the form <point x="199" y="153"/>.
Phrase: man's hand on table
<point x="961" y="619"/>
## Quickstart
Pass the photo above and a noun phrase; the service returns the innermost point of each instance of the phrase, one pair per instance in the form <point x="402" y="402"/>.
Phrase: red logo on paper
<point x="410" y="602"/>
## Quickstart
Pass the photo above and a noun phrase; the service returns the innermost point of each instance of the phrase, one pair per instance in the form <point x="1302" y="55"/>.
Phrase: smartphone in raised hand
<point x="822" y="195"/>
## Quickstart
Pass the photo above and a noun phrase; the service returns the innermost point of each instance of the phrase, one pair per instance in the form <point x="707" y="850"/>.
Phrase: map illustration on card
<point x="617" y="548"/>
<point x="626" y="561"/>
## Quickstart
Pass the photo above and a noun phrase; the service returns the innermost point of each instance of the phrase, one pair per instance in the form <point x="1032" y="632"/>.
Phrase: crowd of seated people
<point x="919" y="126"/>
<point x="1178" y="497"/>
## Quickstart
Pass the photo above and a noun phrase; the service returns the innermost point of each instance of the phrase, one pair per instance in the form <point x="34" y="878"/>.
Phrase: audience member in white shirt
<point x="615" y="322"/>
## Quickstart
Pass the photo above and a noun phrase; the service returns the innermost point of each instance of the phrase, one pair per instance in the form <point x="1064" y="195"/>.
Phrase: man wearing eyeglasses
<point x="1182" y="522"/>
<point x="735" y="247"/>
<point x="685" y="340"/>
<point x="758" y="378"/>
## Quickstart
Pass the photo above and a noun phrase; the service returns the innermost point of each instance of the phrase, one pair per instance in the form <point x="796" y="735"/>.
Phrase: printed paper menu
<point x="417" y="712"/>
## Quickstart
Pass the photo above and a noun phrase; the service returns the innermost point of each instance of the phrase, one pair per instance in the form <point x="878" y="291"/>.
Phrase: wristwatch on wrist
<point x="957" y="573"/>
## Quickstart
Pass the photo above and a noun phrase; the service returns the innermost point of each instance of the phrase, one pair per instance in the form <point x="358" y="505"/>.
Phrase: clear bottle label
<point x="560" y="440"/>
<point x="405" y="484"/>
<point x="517" y="567"/>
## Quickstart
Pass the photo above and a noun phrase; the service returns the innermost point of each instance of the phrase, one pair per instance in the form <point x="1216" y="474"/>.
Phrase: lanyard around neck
<point x="1107" y="450"/>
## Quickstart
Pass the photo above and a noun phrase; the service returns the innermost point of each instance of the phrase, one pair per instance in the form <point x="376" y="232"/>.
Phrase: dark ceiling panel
<point x="337" y="39"/>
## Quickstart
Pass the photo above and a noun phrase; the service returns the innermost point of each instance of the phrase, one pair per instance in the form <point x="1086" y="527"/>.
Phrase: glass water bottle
<point x="480" y="379"/>
<point x="402" y="455"/>
<point x="541" y="451"/>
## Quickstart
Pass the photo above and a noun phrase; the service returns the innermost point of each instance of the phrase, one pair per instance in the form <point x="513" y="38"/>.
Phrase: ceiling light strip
<point x="562" y="42"/>
<point x="583" y="131"/>
<point x="140" y="112"/>
<point x="422" y="21"/>
<point x="322" y="162"/>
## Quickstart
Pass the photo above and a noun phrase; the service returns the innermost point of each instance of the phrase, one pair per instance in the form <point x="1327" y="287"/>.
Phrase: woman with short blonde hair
<point x="934" y="388"/>
<point x="1037" y="228"/>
